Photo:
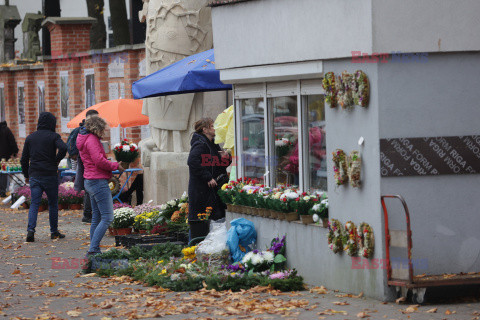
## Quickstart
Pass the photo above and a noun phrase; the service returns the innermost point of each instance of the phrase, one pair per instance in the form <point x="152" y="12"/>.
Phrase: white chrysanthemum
<point x="257" y="259"/>
<point x="348" y="225"/>
<point x="184" y="195"/>
<point x="268" y="256"/>
<point x="292" y="195"/>
<point x="134" y="145"/>
<point x="277" y="195"/>
<point x="126" y="148"/>
<point x="117" y="145"/>
<point x="247" y="257"/>
<point x="324" y="202"/>
<point x="306" y="198"/>
<point x="315" y="217"/>
<point x="278" y="143"/>
<point x="171" y="203"/>
<point x="163" y="207"/>
<point x="316" y="207"/>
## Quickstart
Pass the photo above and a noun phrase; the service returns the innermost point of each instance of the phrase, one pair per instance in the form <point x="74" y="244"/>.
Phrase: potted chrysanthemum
<point x="125" y="152"/>
<point x="123" y="219"/>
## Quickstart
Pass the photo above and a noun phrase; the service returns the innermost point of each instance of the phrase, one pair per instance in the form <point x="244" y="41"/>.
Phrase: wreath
<point x="354" y="168"/>
<point x="114" y="185"/>
<point x="340" y="167"/>
<point x="366" y="240"/>
<point x="351" y="239"/>
<point x="328" y="84"/>
<point x="335" y="235"/>
<point x="345" y="85"/>
<point x="361" y="94"/>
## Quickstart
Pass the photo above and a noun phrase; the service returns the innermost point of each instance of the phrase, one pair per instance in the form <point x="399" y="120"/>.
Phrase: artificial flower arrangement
<point x="123" y="218"/>
<point x="328" y="84"/>
<point x="351" y="246"/>
<point x="340" y="167"/>
<point x="361" y="95"/>
<point x="125" y="151"/>
<point x="353" y="240"/>
<point x="335" y="236"/>
<point x="366" y="240"/>
<point x="345" y="85"/>
<point x="354" y="168"/>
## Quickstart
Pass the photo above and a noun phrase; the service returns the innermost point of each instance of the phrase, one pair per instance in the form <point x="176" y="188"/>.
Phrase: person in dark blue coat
<point x="207" y="163"/>
<point x="8" y="148"/>
<point x="41" y="154"/>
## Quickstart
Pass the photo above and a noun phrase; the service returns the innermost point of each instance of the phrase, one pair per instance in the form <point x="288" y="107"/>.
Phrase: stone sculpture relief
<point x="175" y="29"/>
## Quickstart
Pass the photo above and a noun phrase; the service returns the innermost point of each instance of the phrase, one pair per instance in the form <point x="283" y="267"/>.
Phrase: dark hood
<point x="46" y="121"/>
<point x="198" y="137"/>
<point x="3" y="124"/>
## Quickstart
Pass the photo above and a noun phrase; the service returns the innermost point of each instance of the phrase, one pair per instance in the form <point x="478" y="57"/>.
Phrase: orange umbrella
<point x="121" y="112"/>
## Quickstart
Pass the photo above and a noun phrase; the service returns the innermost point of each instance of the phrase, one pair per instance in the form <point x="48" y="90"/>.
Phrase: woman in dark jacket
<point x="206" y="162"/>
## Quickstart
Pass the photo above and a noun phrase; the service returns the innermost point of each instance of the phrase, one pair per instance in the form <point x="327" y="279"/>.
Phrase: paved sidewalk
<point x="33" y="285"/>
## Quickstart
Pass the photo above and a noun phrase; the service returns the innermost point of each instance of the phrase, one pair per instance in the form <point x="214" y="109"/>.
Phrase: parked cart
<point x="404" y="279"/>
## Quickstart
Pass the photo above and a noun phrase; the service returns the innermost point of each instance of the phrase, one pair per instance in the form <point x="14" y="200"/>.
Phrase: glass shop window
<point x="285" y="161"/>
<point x="316" y="148"/>
<point x="253" y="138"/>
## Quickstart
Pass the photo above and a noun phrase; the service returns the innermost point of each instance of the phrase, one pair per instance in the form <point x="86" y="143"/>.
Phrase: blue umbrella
<point x="195" y="73"/>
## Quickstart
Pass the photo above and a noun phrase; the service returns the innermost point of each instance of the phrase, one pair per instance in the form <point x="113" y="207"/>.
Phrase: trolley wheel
<point x="418" y="295"/>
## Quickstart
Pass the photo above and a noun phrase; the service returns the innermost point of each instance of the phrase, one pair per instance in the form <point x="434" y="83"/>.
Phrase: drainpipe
<point x="7" y="2"/>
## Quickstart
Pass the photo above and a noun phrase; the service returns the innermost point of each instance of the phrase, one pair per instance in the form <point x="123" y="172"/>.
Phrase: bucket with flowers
<point x="125" y="152"/>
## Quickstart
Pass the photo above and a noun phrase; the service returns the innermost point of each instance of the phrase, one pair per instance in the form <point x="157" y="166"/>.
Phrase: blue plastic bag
<point x="242" y="232"/>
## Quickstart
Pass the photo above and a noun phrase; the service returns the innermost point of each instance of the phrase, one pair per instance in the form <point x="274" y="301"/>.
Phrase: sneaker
<point x="57" y="235"/>
<point x="86" y="220"/>
<point x="30" y="236"/>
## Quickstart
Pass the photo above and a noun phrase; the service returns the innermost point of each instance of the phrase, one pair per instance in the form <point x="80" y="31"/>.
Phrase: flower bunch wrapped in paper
<point x="125" y="151"/>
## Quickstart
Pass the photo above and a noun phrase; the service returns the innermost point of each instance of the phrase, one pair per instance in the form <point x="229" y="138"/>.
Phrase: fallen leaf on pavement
<point x="319" y="290"/>
<point x="434" y="310"/>
<point x="331" y="312"/>
<point x="400" y="300"/>
<point x="341" y="303"/>
<point x="411" y="309"/>
<point x="74" y="313"/>
<point x="362" y="315"/>
<point x="450" y="312"/>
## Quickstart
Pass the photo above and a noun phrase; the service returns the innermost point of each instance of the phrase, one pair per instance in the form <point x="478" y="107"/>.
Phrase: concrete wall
<point x="344" y="128"/>
<point x="280" y="31"/>
<point x="437" y="98"/>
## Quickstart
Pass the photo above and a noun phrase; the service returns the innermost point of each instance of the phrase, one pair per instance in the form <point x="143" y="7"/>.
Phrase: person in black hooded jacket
<point x="8" y="148"/>
<point x="41" y="154"/>
<point x="206" y="162"/>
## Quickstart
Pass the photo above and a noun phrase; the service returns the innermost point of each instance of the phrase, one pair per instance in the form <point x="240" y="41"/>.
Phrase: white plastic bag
<point x="215" y="241"/>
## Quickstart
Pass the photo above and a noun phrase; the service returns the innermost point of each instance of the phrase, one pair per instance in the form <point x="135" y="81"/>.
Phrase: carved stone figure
<point x="175" y="29"/>
<point x="31" y="42"/>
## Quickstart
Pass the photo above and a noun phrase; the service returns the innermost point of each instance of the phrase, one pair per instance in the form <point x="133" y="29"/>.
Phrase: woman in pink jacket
<point x="97" y="172"/>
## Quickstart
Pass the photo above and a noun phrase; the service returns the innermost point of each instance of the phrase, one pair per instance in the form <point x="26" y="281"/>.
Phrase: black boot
<point x="57" y="235"/>
<point x="30" y="236"/>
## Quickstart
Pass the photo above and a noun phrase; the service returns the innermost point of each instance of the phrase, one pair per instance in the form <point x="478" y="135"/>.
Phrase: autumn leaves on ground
<point x="42" y="280"/>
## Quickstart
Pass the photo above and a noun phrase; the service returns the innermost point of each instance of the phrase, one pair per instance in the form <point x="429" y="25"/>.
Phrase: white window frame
<point x="268" y="90"/>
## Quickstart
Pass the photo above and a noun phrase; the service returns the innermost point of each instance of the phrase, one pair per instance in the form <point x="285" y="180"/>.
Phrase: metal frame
<point x="424" y="282"/>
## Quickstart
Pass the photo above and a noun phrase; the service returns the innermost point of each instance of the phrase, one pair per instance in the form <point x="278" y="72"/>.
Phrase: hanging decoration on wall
<point x="328" y="84"/>
<point x="366" y="241"/>
<point x="354" y="168"/>
<point x="355" y="241"/>
<point x="343" y="86"/>
<point x="335" y="236"/>
<point x="361" y="94"/>
<point x="340" y="167"/>
<point x="351" y="238"/>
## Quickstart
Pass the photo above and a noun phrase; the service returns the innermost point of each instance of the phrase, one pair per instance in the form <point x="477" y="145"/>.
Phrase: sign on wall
<point x="89" y="87"/>
<point x="41" y="96"/>
<point x="64" y="96"/>
<point x="112" y="91"/>
<point x="116" y="68"/>
<point x="21" y="110"/>
<point x="429" y="156"/>
<point x="122" y="90"/>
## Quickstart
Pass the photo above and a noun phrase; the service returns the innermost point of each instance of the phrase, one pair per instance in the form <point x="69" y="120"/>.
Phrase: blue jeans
<point x="102" y="211"/>
<point x="38" y="185"/>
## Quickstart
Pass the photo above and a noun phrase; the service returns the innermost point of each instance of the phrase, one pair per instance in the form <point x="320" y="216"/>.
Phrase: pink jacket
<point x="95" y="163"/>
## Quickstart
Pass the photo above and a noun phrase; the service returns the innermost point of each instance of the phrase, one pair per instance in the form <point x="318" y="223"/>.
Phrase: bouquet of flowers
<point x="125" y="151"/>
<point x="123" y="218"/>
